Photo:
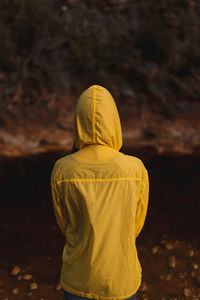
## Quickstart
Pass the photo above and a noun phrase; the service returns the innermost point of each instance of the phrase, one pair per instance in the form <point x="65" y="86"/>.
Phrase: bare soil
<point x="168" y="246"/>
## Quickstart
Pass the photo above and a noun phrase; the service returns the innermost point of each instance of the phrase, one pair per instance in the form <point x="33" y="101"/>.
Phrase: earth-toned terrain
<point x="32" y="243"/>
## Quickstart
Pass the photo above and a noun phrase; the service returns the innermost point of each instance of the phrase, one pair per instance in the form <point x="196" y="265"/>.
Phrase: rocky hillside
<point x="145" y="53"/>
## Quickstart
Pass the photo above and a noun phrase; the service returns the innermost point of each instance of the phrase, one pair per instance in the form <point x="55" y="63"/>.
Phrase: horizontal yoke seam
<point x="100" y="179"/>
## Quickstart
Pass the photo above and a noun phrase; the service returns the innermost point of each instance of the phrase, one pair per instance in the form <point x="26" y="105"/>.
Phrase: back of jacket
<point x="100" y="199"/>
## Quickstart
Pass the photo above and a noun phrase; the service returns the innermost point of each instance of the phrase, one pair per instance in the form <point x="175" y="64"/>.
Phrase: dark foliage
<point x="153" y="46"/>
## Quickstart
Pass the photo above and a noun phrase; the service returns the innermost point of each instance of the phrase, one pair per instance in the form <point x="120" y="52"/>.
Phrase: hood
<point x="96" y="120"/>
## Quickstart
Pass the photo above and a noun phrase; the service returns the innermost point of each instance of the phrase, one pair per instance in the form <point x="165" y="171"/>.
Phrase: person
<point x="100" y="198"/>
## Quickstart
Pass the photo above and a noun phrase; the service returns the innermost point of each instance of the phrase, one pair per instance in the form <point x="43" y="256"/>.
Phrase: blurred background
<point x="147" y="54"/>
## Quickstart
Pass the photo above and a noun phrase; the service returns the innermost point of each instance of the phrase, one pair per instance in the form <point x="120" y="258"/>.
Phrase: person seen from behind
<point x="100" y="199"/>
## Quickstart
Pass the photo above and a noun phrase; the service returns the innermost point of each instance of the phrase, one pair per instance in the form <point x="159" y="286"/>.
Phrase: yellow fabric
<point x="97" y="119"/>
<point x="100" y="199"/>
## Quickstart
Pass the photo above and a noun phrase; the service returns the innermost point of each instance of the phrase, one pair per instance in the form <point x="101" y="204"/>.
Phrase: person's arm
<point x="59" y="207"/>
<point x="142" y="203"/>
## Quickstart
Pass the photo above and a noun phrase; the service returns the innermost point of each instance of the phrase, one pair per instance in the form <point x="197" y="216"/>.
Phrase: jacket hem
<point x="95" y="296"/>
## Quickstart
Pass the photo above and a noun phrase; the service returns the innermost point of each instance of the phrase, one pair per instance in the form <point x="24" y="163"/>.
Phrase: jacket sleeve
<point x="59" y="207"/>
<point x="143" y="202"/>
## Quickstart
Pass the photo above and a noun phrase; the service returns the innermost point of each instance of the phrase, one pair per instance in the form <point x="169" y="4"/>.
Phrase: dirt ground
<point x="168" y="246"/>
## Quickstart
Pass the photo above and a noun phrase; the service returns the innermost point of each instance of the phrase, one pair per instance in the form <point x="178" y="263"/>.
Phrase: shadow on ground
<point x="168" y="245"/>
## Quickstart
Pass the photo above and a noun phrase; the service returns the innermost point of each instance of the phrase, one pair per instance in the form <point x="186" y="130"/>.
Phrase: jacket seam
<point x="94" y="113"/>
<point x="100" y="180"/>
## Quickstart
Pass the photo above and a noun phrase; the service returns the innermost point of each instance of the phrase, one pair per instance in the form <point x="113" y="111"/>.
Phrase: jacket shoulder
<point x="132" y="164"/>
<point x="63" y="165"/>
<point x="63" y="161"/>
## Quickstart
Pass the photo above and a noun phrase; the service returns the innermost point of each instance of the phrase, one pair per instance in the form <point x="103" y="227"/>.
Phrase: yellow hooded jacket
<point x="100" y="199"/>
